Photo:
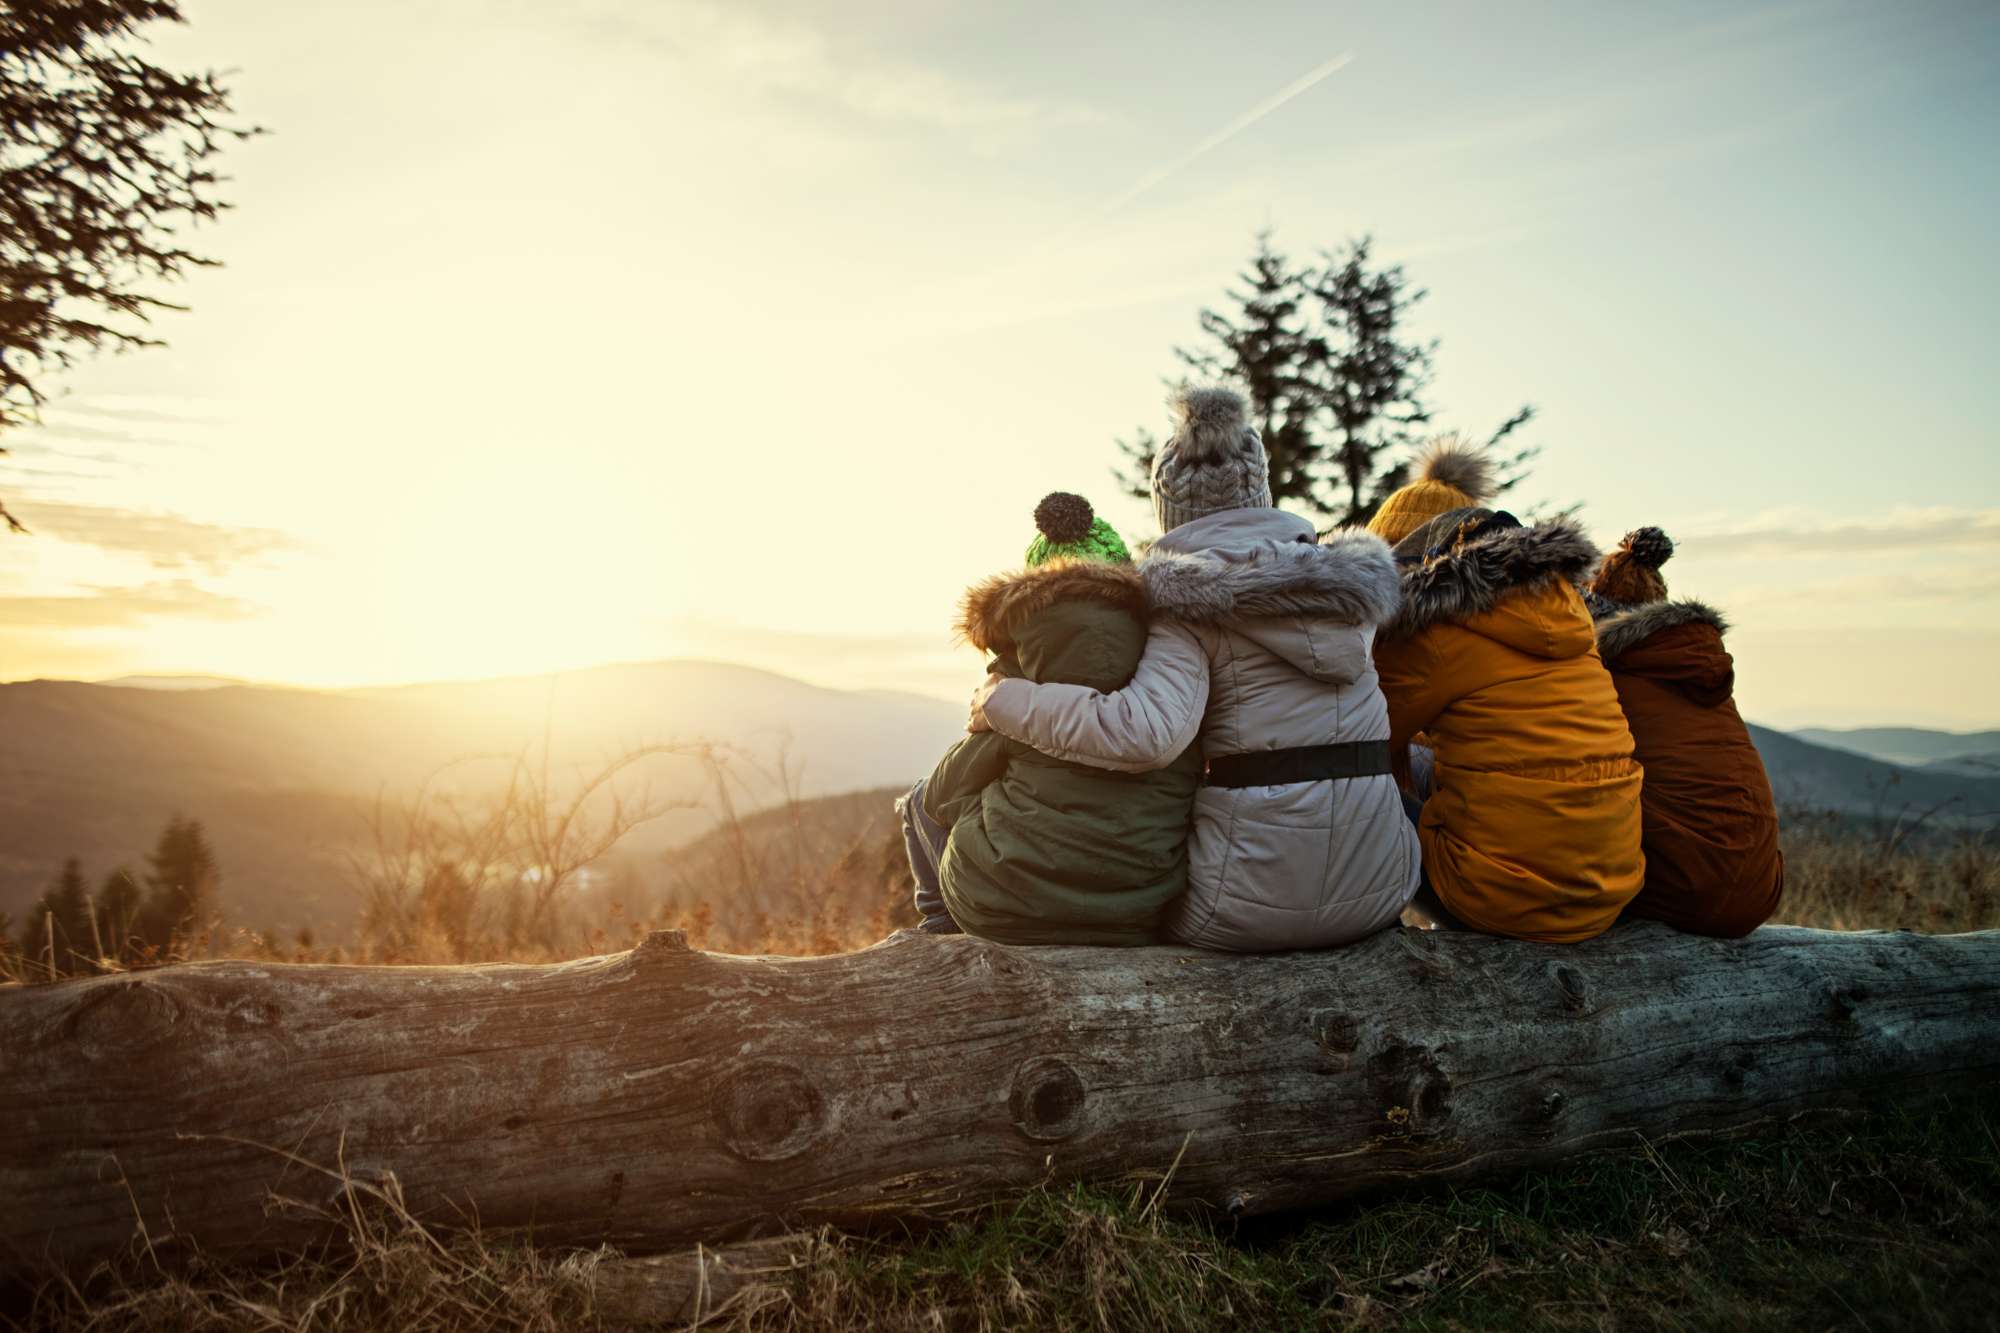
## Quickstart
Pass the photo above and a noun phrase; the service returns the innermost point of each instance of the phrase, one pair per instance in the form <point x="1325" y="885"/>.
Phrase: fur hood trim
<point x="1350" y="577"/>
<point x="995" y="609"/>
<point x="1629" y="626"/>
<point x="1466" y="580"/>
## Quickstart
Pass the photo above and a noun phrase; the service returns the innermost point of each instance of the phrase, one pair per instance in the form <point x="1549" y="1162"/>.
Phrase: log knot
<point x="1841" y="999"/>
<point x="768" y="1111"/>
<point x="1408" y="1078"/>
<point x="1573" y="987"/>
<point x="122" y="1017"/>
<point x="1047" y="1099"/>
<point x="1339" y="1037"/>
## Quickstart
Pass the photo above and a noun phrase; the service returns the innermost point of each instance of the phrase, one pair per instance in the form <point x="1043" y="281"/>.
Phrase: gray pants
<point x="924" y="839"/>
<point x="1423" y="770"/>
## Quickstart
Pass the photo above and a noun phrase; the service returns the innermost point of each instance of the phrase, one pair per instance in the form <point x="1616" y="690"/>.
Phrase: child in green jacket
<point x="1012" y="845"/>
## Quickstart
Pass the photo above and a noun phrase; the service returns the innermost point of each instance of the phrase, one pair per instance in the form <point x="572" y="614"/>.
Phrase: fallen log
<point x="664" y="1096"/>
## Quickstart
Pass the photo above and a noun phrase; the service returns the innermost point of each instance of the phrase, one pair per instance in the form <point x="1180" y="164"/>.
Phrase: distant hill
<point x="284" y="778"/>
<point x="173" y="682"/>
<point x="1968" y="766"/>
<point x="1825" y="778"/>
<point x="1910" y="746"/>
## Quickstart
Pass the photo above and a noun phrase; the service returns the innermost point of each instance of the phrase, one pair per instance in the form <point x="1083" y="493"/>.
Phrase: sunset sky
<point x="555" y="334"/>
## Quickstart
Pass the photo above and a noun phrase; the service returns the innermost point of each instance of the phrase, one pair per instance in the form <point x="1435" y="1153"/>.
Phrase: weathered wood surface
<point x="664" y="1096"/>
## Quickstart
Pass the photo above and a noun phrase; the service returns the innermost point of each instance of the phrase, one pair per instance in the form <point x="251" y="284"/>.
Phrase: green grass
<point x="1891" y="1222"/>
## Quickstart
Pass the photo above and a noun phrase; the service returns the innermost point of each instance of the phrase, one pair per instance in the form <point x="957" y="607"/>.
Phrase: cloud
<point x="84" y="435"/>
<point x="164" y="541"/>
<point x="1792" y="534"/>
<point x="1904" y="590"/>
<point x="100" y="607"/>
<point x="767" y="54"/>
<point x="152" y="416"/>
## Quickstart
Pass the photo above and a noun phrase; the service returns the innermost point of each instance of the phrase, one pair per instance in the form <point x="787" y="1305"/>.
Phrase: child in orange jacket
<point x="1531" y="825"/>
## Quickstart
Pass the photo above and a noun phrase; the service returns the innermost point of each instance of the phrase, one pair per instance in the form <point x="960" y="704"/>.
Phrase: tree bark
<point x="664" y="1096"/>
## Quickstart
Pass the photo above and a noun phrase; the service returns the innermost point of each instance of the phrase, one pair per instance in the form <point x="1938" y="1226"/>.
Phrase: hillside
<point x="1824" y="778"/>
<point x="1912" y="747"/>
<point x="1967" y="766"/>
<point x="284" y="778"/>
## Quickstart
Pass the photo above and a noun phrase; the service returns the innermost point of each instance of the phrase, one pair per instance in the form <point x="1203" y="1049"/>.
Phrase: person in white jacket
<point x="1260" y="651"/>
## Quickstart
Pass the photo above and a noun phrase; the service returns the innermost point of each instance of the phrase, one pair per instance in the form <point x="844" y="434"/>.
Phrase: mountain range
<point x="285" y="779"/>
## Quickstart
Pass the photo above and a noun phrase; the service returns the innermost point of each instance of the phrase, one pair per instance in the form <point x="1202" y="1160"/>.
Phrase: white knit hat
<point x="1213" y="461"/>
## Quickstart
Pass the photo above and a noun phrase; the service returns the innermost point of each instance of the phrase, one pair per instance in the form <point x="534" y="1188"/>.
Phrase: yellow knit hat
<point x="1451" y="474"/>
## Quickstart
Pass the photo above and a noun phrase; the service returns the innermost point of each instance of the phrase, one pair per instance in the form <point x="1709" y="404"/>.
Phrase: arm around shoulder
<point x="1144" y="726"/>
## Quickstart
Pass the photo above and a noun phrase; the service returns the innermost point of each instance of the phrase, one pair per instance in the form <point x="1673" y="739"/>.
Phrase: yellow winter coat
<point x="1532" y="826"/>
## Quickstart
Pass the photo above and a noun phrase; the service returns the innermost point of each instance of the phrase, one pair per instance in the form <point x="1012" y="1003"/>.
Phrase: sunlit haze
<point x="552" y="335"/>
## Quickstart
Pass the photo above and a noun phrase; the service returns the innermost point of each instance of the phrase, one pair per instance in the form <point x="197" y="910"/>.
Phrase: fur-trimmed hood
<point x="1467" y="579"/>
<point x="1621" y="627"/>
<point x="996" y="608"/>
<point x="1265" y="563"/>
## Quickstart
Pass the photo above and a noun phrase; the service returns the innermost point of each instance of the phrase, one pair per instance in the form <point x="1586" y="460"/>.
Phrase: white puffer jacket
<point x="1261" y="640"/>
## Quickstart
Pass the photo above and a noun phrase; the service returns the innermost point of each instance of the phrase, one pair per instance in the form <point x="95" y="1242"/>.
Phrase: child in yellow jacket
<point x="1531" y="824"/>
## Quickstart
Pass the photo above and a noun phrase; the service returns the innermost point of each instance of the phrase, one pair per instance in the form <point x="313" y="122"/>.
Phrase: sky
<point x="554" y="334"/>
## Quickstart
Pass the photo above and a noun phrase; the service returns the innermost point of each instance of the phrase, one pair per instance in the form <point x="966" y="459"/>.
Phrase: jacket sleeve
<point x="1413" y="686"/>
<point x="1144" y="726"/>
<point x="965" y="770"/>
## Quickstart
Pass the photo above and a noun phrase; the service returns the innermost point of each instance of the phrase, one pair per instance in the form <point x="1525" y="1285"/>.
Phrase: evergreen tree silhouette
<point x="108" y="158"/>
<point x="1371" y="380"/>
<point x="119" y="903"/>
<point x="57" y="932"/>
<point x="1335" y="383"/>
<point x="1263" y="349"/>
<point x="182" y="879"/>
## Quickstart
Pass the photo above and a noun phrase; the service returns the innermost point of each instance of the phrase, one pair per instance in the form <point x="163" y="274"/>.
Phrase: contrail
<point x="1222" y="136"/>
<point x="1059" y="239"/>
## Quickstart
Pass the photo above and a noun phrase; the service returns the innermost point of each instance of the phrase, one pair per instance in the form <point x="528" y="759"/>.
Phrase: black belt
<point x="1304" y="763"/>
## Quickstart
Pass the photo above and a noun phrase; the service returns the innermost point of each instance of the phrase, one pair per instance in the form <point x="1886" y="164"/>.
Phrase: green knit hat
<point x="1071" y="530"/>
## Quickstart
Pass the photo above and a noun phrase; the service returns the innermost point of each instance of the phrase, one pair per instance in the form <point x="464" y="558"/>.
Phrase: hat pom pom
<point x="1209" y="424"/>
<point x="1650" y="547"/>
<point x="1064" y="519"/>
<point x="1457" y="463"/>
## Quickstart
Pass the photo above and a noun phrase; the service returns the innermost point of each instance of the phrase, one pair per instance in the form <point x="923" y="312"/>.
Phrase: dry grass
<point x="825" y="876"/>
<point x="1843" y="873"/>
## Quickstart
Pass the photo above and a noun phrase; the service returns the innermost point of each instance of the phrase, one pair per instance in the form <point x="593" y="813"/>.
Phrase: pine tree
<point x="1371" y="381"/>
<point x="108" y="158"/>
<point x="119" y="903"/>
<point x="57" y="932"/>
<point x="1261" y="348"/>
<point x="181" y="884"/>
<point x="1336" y="387"/>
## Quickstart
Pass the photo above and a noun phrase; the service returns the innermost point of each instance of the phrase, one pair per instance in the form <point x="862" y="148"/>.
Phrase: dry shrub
<point x="1849" y="873"/>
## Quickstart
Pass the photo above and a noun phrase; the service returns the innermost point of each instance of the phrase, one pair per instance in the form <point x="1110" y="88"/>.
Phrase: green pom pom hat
<point x="1069" y="529"/>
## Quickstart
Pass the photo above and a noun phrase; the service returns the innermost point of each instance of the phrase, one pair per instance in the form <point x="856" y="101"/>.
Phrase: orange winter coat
<point x="1532" y="826"/>
<point x="1713" y="865"/>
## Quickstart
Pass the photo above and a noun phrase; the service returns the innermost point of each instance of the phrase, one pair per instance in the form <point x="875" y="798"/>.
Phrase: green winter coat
<point x="1043" y="851"/>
